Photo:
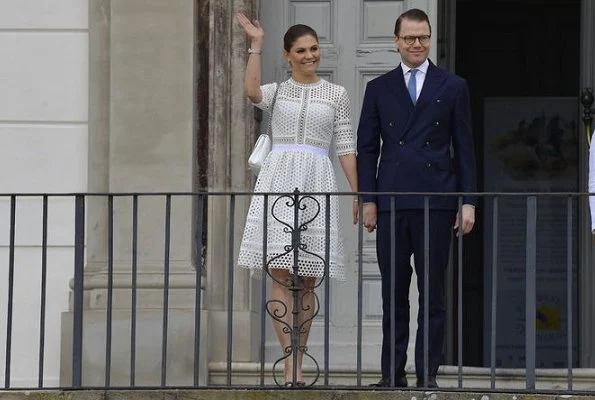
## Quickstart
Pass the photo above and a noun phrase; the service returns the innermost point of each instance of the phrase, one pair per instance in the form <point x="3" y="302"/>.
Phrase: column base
<point x="246" y="336"/>
<point x="179" y="369"/>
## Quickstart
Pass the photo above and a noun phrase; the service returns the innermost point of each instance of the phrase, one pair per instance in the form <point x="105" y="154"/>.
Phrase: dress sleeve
<point x="592" y="183"/>
<point x="268" y="92"/>
<point x="343" y="131"/>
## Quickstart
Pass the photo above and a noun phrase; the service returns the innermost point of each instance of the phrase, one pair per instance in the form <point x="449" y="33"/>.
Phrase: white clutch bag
<point x="259" y="153"/>
<point x="263" y="144"/>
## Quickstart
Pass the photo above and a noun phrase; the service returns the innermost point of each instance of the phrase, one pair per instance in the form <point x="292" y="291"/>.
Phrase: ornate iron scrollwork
<point x="279" y="310"/>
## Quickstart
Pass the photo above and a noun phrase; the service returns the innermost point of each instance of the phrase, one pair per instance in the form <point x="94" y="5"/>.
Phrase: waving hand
<point x="253" y="29"/>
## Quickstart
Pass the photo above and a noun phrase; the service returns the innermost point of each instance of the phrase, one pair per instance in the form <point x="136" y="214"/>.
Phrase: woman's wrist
<point x="256" y="44"/>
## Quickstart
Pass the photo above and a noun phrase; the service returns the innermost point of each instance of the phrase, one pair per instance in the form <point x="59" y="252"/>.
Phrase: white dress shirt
<point x="592" y="183"/>
<point x="420" y="76"/>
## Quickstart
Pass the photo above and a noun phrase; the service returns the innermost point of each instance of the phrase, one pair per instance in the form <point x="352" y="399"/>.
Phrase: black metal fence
<point x="492" y="206"/>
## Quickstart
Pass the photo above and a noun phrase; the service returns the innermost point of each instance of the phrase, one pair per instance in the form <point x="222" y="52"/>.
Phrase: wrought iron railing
<point x="267" y="371"/>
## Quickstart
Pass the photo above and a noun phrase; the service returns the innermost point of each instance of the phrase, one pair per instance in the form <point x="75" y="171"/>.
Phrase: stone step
<point x="473" y="378"/>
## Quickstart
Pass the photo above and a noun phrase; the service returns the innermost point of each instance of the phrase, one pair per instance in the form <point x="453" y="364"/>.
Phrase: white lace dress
<point x="307" y="118"/>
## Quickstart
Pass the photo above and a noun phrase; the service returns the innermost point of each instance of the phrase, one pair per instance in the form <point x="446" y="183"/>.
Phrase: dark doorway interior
<point x="507" y="48"/>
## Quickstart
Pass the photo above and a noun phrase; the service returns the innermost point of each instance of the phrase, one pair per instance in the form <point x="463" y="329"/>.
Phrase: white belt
<point x="300" y="147"/>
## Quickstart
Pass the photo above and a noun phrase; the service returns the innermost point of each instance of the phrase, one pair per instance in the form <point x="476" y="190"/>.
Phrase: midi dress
<point x="307" y="119"/>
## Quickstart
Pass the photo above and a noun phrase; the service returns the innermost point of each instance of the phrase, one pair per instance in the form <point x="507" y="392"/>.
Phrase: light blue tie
<point x="412" y="86"/>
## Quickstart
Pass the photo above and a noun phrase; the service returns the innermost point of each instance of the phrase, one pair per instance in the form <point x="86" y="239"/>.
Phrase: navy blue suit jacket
<point x="406" y="148"/>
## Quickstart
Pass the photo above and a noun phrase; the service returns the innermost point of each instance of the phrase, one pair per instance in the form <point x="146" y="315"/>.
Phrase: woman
<point x="309" y="113"/>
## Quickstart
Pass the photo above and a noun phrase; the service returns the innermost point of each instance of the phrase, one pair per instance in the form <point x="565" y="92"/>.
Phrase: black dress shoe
<point x="431" y="384"/>
<point x="400" y="382"/>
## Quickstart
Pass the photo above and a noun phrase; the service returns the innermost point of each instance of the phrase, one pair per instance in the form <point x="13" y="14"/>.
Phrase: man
<point x="410" y="118"/>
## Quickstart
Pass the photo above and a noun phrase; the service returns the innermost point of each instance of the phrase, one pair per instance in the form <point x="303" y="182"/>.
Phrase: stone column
<point x="141" y="139"/>
<point x="232" y="132"/>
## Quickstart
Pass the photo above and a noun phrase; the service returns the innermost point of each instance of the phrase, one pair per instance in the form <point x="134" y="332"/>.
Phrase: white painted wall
<point x="43" y="148"/>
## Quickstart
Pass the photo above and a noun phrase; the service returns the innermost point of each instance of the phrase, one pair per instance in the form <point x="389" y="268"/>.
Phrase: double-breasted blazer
<point x="404" y="147"/>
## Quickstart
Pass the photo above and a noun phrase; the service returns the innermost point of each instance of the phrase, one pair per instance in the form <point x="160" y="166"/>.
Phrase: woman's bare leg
<point x="281" y="305"/>
<point x="307" y="306"/>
